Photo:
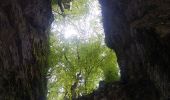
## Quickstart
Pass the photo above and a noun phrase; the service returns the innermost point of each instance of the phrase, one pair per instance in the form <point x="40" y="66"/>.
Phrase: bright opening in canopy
<point x="83" y="26"/>
<point x="70" y="31"/>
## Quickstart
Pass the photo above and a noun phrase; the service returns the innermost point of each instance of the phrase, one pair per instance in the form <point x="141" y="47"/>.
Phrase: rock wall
<point x="24" y="48"/>
<point x="139" y="32"/>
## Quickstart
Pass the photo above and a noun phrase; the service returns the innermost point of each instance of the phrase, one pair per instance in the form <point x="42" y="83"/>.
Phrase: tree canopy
<point x="79" y="58"/>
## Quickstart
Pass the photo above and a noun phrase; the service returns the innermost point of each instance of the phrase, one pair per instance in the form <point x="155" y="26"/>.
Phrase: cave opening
<point x="79" y="60"/>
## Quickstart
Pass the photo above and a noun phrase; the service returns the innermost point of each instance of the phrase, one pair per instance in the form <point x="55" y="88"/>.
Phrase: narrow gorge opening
<point x="79" y="60"/>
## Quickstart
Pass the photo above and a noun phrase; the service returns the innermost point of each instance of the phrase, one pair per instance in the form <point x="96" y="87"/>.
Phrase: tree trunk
<point x="139" y="32"/>
<point x="24" y="48"/>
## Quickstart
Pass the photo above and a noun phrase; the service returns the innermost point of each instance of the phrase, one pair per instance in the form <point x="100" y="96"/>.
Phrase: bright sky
<point x="70" y="31"/>
<point x="82" y="26"/>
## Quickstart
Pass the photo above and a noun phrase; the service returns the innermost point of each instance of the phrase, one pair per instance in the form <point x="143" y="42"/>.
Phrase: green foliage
<point x="80" y="61"/>
<point x="53" y="2"/>
<point x="77" y="8"/>
<point x="91" y="59"/>
<point x="111" y="73"/>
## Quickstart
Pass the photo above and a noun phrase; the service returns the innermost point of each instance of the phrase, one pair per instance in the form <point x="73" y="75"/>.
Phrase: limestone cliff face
<point x="139" y="32"/>
<point x="24" y="48"/>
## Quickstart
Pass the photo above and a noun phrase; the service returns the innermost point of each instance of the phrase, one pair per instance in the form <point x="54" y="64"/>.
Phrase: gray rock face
<point x="139" y="32"/>
<point x="24" y="48"/>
